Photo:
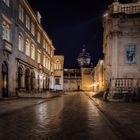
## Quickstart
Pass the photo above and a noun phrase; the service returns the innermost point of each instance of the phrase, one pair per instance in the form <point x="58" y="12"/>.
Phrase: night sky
<point x="72" y="24"/>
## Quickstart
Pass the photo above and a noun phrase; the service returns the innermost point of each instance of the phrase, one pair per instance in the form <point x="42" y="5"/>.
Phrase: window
<point x="48" y="49"/>
<point x="131" y="53"/>
<point x="52" y="53"/>
<point x="33" y="29"/>
<point x="20" y="42"/>
<point x="38" y="37"/>
<point x="21" y="13"/>
<point x="49" y="64"/>
<point x="44" y="60"/>
<point x="44" y="43"/>
<point x="7" y="2"/>
<point x="6" y="30"/>
<point x="39" y="57"/>
<point x="27" y="45"/>
<point x="57" y="81"/>
<point x="57" y="65"/>
<point x="33" y="52"/>
<point x="27" y="22"/>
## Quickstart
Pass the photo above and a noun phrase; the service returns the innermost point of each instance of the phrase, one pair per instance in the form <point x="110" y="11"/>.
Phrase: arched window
<point x="27" y="45"/>
<point x="20" y="42"/>
<point x="57" y="65"/>
<point x="33" y="52"/>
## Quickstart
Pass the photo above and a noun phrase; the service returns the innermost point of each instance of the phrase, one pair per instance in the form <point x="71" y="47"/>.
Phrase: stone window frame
<point x="20" y="42"/>
<point x="6" y="30"/>
<point x="27" y="47"/>
<point x="38" y="37"/>
<point x="21" y="13"/>
<point x="130" y="53"/>
<point x="33" y="51"/>
<point x="39" y="56"/>
<point x="33" y="28"/>
<point x="57" y="80"/>
<point x="27" y="23"/>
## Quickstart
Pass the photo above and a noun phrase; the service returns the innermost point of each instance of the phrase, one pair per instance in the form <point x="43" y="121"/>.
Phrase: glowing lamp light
<point x="105" y="14"/>
<point x="94" y="84"/>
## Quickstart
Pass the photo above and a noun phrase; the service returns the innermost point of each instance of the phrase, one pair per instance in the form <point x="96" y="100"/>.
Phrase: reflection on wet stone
<point x="71" y="117"/>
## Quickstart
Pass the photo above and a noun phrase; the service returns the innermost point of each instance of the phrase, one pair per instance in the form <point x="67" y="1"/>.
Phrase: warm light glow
<point x="105" y="14"/>
<point x="94" y="84"/>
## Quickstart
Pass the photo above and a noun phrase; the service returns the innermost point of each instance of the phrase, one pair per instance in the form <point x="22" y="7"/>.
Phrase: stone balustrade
<point x="124" y="83"/>
<point x="130" y="8"/>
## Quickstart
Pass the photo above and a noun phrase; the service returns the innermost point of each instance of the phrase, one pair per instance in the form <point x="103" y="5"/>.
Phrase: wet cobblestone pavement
<point x="71" y="117"/>
<point x="123" y="115"/>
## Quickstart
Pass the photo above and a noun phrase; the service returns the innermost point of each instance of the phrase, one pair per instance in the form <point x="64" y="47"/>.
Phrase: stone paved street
<point x="8" y="106"/>
<point x="71" y="117"/>
<point x="125" y="116"/>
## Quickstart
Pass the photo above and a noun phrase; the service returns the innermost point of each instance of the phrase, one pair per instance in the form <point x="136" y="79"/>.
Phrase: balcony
<point x="7" y="46"/>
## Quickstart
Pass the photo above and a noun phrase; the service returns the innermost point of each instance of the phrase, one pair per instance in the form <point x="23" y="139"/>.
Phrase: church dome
<point x="84" y="59"/>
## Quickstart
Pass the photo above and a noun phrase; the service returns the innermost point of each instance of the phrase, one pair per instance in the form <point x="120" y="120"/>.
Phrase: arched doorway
<point x="5" y="79"/>
<point x="27" y="79"/>
<point x="20" y="78"/>
<point x="32" y="80"/>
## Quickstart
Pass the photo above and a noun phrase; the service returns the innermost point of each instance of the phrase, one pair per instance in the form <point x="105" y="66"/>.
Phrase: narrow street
<point x="71" y="117"/>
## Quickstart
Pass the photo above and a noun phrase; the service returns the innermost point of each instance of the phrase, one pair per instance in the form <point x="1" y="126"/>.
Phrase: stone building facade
<point x="58" y="72"/>
<point x="26" y="52"/>
<point x="72" y="79"/>
<point x="98" y="77"/>
<point x="121" y="48"/>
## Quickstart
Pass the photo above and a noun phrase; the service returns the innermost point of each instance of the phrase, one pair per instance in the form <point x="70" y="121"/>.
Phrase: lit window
<point x="7" y="2"/>
<point x="27" y="22"/>
<point x="44" y="43"/>
<point x="33" y="52"/>
<point x="49" y="64"/>
<point x="48" y="49"/>
<point x="21" y="13"/>
<point x="33" y="29"/>
<point x="52" y="52"/>
<point x="6" y="31"/>
<point x="44" y="60"/>
<point x="20" y="42"/>
<point x="131" y="53"/>
<point x="39" y="57"/>
<point x="38" y="37"/>
<point x="27" y="45"/>
<point x="57" y="65"/>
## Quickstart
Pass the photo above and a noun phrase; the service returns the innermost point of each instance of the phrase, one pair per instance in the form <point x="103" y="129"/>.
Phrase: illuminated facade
<point x="121" y="48"/>
<point x="72" y="80"/>
<point x="26" y="52"/>
<point x="80" y="78"/>
<point x="58" y="72"/>
<point x="98" y="77"/>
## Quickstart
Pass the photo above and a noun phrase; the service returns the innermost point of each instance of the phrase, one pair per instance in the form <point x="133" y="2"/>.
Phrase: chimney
<point x="38" y="16"/>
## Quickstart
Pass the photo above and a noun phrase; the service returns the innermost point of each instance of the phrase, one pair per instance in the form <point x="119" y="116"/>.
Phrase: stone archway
<point x="20" y="78"/>
<point x="33" y="84"/>
<point x="27" y="79"/>
<point x="4" y="79"/>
